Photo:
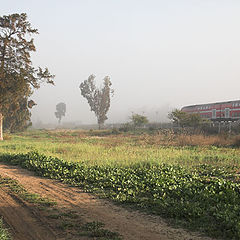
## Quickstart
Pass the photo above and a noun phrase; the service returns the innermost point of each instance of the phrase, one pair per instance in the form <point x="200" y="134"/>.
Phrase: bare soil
<point x="26" y="222"/>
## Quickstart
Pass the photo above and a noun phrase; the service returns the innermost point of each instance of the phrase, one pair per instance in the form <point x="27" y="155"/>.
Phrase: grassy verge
<point x="205" y="198"/>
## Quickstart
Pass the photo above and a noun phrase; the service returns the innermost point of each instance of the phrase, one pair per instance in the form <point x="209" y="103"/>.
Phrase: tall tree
<point x="18" y="77"/>
<point x="98" y="98"/>
<point x="60" y="111"/>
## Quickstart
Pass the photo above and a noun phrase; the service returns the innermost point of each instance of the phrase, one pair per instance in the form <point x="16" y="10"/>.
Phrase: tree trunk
<point x="1" y="128"/>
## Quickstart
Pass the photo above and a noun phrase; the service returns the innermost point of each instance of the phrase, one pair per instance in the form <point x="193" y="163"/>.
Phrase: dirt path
<point x="26" y="223"/>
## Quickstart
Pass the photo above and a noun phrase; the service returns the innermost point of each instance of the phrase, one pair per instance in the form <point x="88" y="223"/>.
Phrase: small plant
<point x="115" y="131"/>
<point x="96" y="230"/>
<point x="4" y="234"/>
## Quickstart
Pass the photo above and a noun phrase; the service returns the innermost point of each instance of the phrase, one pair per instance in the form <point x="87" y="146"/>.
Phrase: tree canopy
<point x="184" y="119"/>
<point x="138" y="120"/>
<point x="98" y="98"/>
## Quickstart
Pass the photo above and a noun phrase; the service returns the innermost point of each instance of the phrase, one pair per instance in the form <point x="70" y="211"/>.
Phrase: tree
<point x="18" y="118"/>
<point x="18" y="77"/>
<point x="98" y="98"/>
<point x="138" y="120"/>
<point x="61" y="110"/>
<point x="184" y="119"/>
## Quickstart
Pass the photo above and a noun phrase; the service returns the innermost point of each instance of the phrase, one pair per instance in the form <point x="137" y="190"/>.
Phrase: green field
<point x="194" y="186"/>
<point x="117" y="150"/>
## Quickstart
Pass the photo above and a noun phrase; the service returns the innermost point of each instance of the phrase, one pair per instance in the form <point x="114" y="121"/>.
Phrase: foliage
<point x="98" y="98"/>
<point x="18" y="77"/>
<point x="206" y="197"/>
<point x="184" y="119"/>
<point x="4" y="234"/>
<point x="138" y="120"/>
<point x="18" y="117"/>
<point x="60" y="111"/>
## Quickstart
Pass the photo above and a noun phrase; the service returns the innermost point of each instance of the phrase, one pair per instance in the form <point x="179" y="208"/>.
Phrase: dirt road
<point x="28" y="223"/>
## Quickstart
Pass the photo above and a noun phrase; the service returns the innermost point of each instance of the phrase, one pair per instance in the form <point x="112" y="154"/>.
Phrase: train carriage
<point x="220" y="111"/>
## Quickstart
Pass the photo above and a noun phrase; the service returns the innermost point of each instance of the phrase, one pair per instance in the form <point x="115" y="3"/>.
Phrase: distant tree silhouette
<point x="183" y="119"/>
<point x="138" y="120"/>
<point x="98" y="98"/>
<point x="60" y="111"/>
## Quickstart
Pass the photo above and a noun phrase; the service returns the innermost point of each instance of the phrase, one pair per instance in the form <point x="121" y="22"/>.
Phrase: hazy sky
<point x="160" y="54"/>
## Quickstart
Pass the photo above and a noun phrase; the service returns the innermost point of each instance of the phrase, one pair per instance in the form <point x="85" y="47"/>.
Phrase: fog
<point x="159" y="54"/>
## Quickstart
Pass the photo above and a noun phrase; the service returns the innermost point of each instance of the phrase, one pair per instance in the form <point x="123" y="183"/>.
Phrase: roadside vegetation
<point x="194" y="184"/>
<point x="4" y="234"/>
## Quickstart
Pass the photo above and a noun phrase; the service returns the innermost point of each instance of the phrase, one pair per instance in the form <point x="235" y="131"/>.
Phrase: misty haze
<point x="159" y="55"/>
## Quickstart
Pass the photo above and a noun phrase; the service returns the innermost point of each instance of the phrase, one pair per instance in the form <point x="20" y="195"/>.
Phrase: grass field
<point x="122" y="150"/>
<point x="189" y="179"/>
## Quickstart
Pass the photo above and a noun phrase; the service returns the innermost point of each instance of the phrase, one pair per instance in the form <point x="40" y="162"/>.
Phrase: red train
<point x="220" y="111"/>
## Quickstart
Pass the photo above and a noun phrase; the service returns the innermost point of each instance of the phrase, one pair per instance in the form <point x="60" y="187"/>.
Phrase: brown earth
<point x="26" y="222"/>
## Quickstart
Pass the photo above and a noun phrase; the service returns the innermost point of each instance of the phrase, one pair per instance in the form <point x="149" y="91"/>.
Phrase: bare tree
<point x="98" y="98"/>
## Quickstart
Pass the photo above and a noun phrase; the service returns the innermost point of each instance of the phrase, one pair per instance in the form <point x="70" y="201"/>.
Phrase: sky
<point x="159" y="54"/>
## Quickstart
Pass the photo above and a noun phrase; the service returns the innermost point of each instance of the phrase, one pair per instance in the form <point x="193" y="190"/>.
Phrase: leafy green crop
<point x="207" y="198"/>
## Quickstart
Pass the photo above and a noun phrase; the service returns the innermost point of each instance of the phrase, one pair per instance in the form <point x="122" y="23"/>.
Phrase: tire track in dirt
<point x="132" y="225"/>
<point x="22" y="220"/>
